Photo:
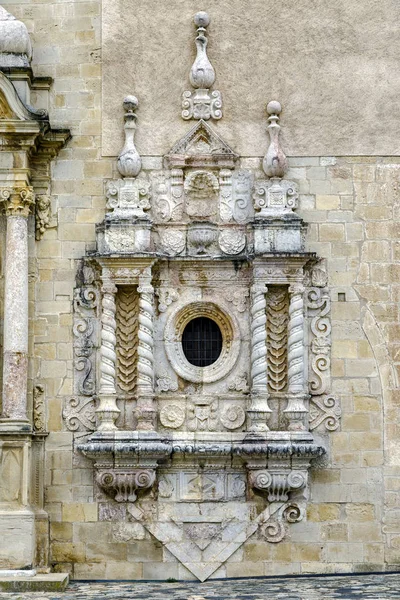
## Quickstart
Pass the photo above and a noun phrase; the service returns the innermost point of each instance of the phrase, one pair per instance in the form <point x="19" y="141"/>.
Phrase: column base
<point x="18" y="547"/>
<point x="15" y="426"/>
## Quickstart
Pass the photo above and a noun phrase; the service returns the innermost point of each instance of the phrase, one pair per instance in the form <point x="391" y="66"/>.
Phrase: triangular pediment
<point x="201" y="146"/>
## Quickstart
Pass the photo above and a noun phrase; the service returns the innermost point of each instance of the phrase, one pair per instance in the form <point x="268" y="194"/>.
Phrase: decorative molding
<point x="39" y="409"/>
<point x="127" y="337"/>
<point x="79" y="414"/>
<point x="278" y="484"/>
<point x="277" y="311"/>
<point x="230" y="342"/>
<point x="201" y="104"/>
<point x="42" y="215"/>
<point x="318" y="309"/>
<point x="124" y="485"/>
<point x="129" y="162"/>
<point x="325" y="410"/>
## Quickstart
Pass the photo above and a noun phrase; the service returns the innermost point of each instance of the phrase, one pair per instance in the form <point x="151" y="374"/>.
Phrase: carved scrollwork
<point x="124" y="485"/>
<point x="166" y="296"/>
<point x="278" y="484"/>
<point x="318" y="305"/>
<point x="275" y="197"/>
<point x="326" y="410"/>
<point x="79" y="414"/>
<point x="39" y="409"/>
<point x="164" y="383"/>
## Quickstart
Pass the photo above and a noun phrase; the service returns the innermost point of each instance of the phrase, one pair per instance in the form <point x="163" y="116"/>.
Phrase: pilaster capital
<point x="17" y="200"/>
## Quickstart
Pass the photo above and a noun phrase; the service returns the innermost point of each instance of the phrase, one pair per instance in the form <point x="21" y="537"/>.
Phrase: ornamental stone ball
<point x="201" y="19"/>
<point x="130" y="103"/>
<point x="15" y="43"/>
<point x="274" y="108"/>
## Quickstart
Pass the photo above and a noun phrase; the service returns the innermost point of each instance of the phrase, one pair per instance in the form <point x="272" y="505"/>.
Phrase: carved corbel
<point x="277" y="484"/>
<point x="42" y="215"/>
<point x="202" y="103"/>
<point x="124" y="485"/>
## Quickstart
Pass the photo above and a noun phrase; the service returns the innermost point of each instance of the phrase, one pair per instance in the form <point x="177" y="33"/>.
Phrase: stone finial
<point x="201" y="104"/>
<point x="15" y="43"/>
<point x="129" y="162"/>
<point x="275" y="162"/>
<point x="202" y="74"/>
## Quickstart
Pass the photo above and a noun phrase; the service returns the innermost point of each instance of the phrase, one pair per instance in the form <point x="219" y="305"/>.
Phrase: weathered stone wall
<point x="352" y="205"/>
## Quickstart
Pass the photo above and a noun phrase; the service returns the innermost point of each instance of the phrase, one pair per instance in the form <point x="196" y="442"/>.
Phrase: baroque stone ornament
<point x="79" y="414"/>
<point x="232" y="241"/>
<point x="233" y="417"/>
<point x="202" y="103"/>
<point x="275" y="197"/>
<point x="172" y="415"/>
<point x="318" y="308"/>
<point x="238" y="298"/>
<point x="164" y="383"/>
<point x="278" y="484"/>
<point x="39" y="409"/>
<point x="165" y="298"/>
<point x="128" y="198"/>
<point x="172" y="242"/>
<point x="129" y="162"/>
<point x="277" y="321"/>
<point x="127" y="337"/>
<point x="325" y="410"/>
<point x="275" y="162"/>
<point x="124" y="485"/>
<point x="42" y="215"/>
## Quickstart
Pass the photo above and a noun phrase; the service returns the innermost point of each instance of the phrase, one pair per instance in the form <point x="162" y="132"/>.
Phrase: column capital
<point x="17" y="200"/>
<point x="296" y="288"/>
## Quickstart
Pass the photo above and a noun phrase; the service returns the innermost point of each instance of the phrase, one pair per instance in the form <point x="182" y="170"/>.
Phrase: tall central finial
<point x="202" y="104"/>
<point x="275" y="162"/>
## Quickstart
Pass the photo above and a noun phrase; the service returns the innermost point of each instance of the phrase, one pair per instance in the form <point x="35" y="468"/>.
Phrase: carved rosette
<point x="278" y="484"/>
<point x="124" y="485"/>
<point x="108" y="412"/>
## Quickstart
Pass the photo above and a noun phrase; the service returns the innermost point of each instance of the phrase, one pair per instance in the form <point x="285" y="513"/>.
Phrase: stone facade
<point x="120" y="459"/>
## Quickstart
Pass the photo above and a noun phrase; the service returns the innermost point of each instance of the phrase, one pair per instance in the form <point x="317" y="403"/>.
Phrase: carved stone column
<point x="296" y="410"/>
<point x="107" y="412"/>
<point x="145" y="411"/>
<point x="16" y="202"/>
<point x="258" y="411"/>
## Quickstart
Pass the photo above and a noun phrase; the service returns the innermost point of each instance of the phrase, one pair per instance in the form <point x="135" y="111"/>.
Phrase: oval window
<point x="202" y="342"/>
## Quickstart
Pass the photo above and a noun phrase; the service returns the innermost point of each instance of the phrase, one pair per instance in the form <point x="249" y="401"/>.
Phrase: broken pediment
<point x="12" y="107"/>
<point x="201" y="147"/>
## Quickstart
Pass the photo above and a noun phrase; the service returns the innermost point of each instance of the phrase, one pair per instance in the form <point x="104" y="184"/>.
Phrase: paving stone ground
<point x="361" y="587"/>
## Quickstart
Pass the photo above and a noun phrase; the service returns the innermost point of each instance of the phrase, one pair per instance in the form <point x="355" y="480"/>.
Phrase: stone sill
<point x="52" y="582"/>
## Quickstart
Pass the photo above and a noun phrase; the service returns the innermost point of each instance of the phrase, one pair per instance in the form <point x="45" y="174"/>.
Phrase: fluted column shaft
<point x="16" y="203"/>
<point x="107" y="412"/>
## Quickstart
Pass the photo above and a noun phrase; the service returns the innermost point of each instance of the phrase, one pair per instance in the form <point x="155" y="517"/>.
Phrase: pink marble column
<point x="16" y="203"/>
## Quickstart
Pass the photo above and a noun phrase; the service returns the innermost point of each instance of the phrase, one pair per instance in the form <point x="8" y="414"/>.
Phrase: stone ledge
<point x="52" y="582"/>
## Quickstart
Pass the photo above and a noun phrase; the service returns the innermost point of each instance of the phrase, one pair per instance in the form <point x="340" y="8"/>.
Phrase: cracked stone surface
<point x="367" y="587"/>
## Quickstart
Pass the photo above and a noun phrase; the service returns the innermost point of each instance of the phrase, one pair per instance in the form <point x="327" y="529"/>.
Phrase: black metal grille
<point x="202" y="341"/>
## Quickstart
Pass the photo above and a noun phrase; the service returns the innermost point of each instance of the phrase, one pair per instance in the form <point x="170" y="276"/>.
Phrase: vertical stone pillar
<point x="16" y="202"/>
<point x="258" y="411"/>
<point x="107" y="412"/>
<point x="145" y="410"/>
<point x="296" y="410"/>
